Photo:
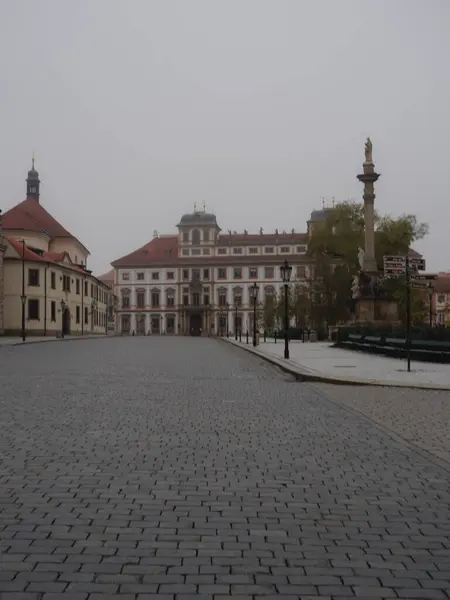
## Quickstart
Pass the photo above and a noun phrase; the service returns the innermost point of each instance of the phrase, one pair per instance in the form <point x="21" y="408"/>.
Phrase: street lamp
<point x="254" y="296"/>
<point x="23" y="297"/>
<point x="286" y="270"/>
<point x="430" y="296"/>
<point x="63" y="306"/>
<point x="228" y="328"/>
<point x="236" y="319"/>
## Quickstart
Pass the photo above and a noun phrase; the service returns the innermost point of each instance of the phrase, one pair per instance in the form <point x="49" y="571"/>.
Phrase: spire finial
<point x="323" y="202"/>
<point x="32" y="161"/>
<point x="195" y="206"/>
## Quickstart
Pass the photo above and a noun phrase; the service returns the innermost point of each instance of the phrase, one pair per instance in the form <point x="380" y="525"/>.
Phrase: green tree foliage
<point x="334" y="247"/>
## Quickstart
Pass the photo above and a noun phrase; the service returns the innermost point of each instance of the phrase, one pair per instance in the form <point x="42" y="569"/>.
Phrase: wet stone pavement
<point x="160" y="467"/>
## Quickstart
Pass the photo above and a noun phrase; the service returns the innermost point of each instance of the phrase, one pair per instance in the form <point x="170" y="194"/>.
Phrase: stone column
<point x="368" y="177"/>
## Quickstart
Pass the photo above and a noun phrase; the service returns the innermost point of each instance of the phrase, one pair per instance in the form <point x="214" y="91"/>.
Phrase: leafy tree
<point x="334" y="247"/>
<point x="269" y="316"/>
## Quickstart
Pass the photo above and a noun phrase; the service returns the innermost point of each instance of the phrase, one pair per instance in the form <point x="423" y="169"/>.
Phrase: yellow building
<point x="47" y="287"/>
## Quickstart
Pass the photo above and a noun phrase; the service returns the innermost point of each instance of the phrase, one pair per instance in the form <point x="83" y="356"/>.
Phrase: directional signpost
<point x="398" y="266"/>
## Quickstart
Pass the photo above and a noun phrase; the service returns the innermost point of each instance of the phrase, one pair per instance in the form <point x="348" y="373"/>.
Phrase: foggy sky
<point x="136" y="109"/>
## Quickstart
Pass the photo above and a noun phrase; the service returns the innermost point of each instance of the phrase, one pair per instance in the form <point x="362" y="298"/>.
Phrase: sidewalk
<point x="319" y="361"/>
<point x="17" y="341"/>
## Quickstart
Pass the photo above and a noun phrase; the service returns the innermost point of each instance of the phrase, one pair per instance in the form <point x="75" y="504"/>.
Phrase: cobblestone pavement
<point x="143" y="467"/>
<point x="420" y="416"/>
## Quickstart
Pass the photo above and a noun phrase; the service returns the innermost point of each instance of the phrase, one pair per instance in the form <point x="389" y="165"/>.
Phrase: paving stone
<point x="177" y="467"/>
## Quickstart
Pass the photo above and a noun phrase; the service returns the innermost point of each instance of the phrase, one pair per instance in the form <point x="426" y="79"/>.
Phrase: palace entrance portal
<point x="195" y="324"/>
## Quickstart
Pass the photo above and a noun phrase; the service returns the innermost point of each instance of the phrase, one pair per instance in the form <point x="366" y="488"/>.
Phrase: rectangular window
<point x="222" y="298"/>
<point x="237" y="273"/>
<point x="253" y="273"/>
<point x="33" y="309"/>
<point x="92" y="290"/>
<point x="185" y="299"/>
<point x="441" y="298"/>
<point x="185" y="236"/>
<point x="196" y="299"/>
<point x="33" y="277"/>
<point x="253" y="250"/>
<point x="170" y="275"/>
<point x="237" y="298"/>
<point x="170" y="301"/>
<point x="237" y="250"/>
<point x="195" y="274"/>
<point x="140" y="276"/>
<point x="268" y="272"/>
<point x="185" y="252"/>
<point x="86" y="288"/>
<point x="66" y="283"/>
<point x="268" y="249"/>
<point x="155" y="299"/>
<point x="53" y="310"/>
<point x="221" y="250"/>
<point x="205" y="273"/>
<point x="125" y="276"/>
<point x="284" y="249"/>
<point x="140" y="299"/>
<point x="301" y="249"/>
<point x="155" y="276"/>
<point x="185" y="273"/>
<point x="221" y="273"/>
<point x="86" y="315"/>
<point x="77" y="313"/>
<point x="77" y="287"/>
<point x="206" y="251"/>
<point x="53" y="280"/>
<point x="196" y="251"/>
<point x="206" y="299"/>
<point x="125" y="301"/>
<point x="300" y="272"/>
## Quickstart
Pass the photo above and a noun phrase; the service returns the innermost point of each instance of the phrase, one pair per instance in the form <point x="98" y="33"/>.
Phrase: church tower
<point x="33" y="183"/>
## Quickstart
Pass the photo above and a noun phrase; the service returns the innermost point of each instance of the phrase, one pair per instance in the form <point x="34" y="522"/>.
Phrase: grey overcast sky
<point x="136" y="109"/>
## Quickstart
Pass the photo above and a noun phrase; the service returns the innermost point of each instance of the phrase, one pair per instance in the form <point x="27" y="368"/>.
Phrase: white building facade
<point x="199" y="281"/>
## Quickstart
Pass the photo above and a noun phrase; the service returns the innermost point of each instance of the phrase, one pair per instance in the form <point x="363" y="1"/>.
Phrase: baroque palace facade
<point x="45" y="285"/>
<point x="198" y="281"/>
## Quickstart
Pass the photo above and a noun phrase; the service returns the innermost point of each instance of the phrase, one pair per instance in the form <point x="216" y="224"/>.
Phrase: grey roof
<point x="198" y="218"/>
<point x="319" y="215"/>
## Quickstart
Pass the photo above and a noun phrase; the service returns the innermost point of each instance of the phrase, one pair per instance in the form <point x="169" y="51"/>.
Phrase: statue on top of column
<point x="368" y="151"/>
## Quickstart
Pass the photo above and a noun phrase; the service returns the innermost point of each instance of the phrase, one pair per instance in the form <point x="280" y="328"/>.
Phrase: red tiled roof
<point x="47" y="257"/>
<point x="164" y="250"/>
<point x="107" y="277"/>
<point x="30" y="215"/>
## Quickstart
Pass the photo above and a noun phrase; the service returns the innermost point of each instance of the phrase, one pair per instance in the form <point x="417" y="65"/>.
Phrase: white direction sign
<point x="394" y="265"/>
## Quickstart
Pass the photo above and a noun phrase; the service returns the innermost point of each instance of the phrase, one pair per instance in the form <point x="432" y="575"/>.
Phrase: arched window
<point x="196" y="236"/>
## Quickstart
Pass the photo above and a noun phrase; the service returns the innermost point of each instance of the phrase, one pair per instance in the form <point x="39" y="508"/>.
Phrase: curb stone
<point x="55" y="339"/>
<point x="302" y="374"/>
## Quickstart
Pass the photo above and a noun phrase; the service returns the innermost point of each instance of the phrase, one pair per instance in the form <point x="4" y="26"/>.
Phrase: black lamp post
<point x="254" y="296"/>
<point x="236" y="319"/>
<point x="286" y="270"/>
<point x="63" y="306"/>
<point x="430" y="296"/>
<point x="228" y="312"/>
<point x="23" y="297"/>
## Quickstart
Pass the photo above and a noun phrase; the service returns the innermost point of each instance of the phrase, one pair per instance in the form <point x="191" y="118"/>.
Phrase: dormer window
<point x="185" y="236"/>
<point x="196" y="236"/>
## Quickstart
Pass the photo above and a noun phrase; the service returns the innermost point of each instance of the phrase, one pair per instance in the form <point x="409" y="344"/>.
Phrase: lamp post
<point x="63" y="306"/>
<point x="23" y="297"/>
<point x="254" y="296"/>
<point x="430" y="296"/>
<point x="236" y="319"/>
<point x="228" y="312"/>
<point x="286" y="270"/>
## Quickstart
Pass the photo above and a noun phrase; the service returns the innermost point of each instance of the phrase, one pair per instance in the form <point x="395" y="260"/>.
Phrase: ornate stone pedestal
<point x="377" y="311"/>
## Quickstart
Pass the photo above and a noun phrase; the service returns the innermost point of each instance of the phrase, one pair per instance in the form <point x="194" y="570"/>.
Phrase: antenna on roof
<point x="333" y="203"/>
<point x="323" y="202"/>
<point x="204" y="207"/>
<point x="195" y="207"/>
